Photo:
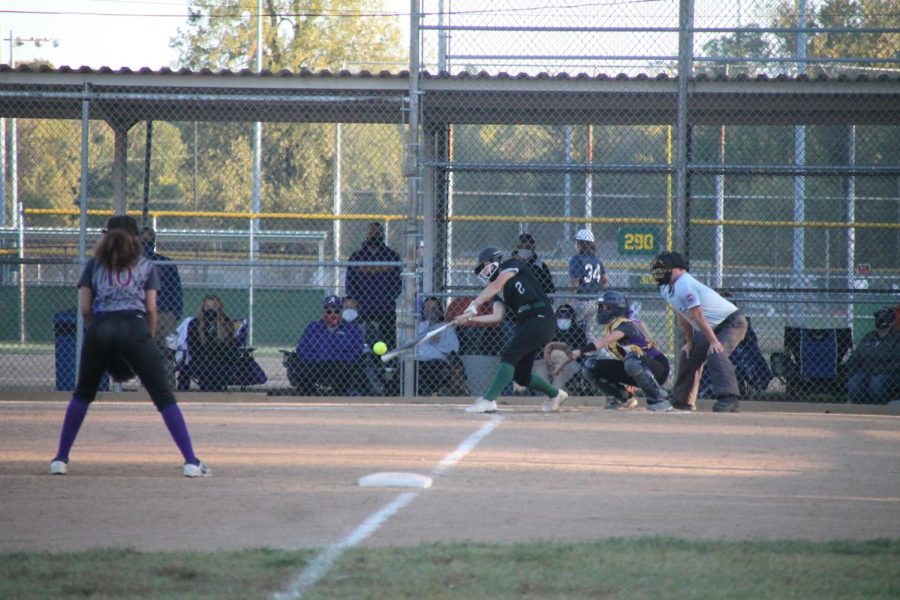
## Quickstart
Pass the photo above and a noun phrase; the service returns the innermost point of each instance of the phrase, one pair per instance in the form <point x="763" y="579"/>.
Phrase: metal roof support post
<point x="682" y="131"/>
<point x="410" y="286"/>
<point x="685" y="70"/>
<point x="120" y="160"/>
<point x="82" y="217"/>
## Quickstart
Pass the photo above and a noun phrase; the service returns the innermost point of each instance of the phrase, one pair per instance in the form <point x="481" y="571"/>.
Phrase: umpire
<point x="512" y="286"/>
<point x="712" y="327"/>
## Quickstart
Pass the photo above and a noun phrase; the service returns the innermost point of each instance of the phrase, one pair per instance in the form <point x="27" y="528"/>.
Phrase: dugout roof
<point x="306" y="96"/>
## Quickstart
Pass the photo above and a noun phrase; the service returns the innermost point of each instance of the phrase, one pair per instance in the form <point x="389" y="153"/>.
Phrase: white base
<point x="410" y="480"/>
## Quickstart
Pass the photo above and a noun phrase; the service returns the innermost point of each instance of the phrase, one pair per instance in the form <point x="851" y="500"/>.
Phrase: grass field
<point x="586" y="503"/>
<point x="618" y="568"/>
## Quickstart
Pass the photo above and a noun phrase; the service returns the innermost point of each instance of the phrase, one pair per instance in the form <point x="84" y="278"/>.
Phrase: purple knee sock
<point x="174" y="420"/>
<point x="75" y="414"/>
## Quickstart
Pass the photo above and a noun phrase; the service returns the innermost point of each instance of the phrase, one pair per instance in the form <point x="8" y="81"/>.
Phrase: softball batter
<point x="512" y="286"/>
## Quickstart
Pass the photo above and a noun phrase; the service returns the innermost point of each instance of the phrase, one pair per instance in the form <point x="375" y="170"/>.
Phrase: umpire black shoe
<point x="726" y="406"/>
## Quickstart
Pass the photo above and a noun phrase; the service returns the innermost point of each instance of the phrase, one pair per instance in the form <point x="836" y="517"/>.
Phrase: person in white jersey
<point x="712" y="327"/>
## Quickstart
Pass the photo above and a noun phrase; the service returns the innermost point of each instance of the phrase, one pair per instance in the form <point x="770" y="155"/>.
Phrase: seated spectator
<point x="216" y="356"/>
<point x="569" y="336"/>
<point x="350" y="312"/>
<point x="328" y="358"/>
<point x="874" y="365"/>
<point x="438" y="366"/>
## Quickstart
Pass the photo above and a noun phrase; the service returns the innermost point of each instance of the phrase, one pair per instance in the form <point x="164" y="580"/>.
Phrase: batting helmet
<point x="611" y="305"/>
<point x="489" y="254"/>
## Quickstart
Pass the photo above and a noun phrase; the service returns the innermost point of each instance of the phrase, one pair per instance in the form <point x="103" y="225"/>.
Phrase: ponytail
<point x="117" y="250"/>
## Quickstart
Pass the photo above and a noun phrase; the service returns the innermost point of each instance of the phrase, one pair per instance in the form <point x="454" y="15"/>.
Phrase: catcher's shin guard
<point x="642" y="376"/>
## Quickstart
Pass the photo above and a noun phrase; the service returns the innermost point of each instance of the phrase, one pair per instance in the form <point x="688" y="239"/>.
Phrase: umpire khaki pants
<point x="166" y="324"/>
<point x="730" y="333"/>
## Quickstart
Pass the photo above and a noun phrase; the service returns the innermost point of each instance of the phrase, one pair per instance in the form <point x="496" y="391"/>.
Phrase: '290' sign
<point x="638" y="240"/>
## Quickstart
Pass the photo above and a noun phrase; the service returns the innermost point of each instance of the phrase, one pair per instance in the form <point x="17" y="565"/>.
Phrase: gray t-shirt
<point x="125" y="290"/>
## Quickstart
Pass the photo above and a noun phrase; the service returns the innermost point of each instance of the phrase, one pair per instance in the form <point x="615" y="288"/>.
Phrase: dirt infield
<point x="285" y="476"/>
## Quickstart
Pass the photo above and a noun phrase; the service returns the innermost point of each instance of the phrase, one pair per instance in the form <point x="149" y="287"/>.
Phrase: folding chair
<point x="812" y="360"/>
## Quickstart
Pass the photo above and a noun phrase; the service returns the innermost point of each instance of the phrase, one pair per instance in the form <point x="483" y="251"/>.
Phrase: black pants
<point x="122" y="336"/>
<point x="613" y="370"/>
<point x="531" y="334"/>
<point x="321" y="377"/>
<point x="432" y="376"/>
<point x="215" y="365"/>
<point x="380" y="327"/>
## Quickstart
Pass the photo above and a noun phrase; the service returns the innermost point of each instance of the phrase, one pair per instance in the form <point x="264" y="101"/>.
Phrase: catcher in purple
<point x="634" y="360"/>
<point x="117" y="293"/>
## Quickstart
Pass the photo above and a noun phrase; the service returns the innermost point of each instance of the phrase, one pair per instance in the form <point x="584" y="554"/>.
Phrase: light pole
<point x="18" y="212"/>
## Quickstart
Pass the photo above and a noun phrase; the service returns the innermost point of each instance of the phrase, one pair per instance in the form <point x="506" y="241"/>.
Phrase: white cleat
<point x="58" y="467"/>
<point x="201" y="470"/>
<point x="553" y="404"/>
<point x="482" y="406"/>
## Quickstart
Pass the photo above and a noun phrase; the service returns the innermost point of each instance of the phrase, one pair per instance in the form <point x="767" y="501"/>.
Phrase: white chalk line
<point x="322" y="563"/>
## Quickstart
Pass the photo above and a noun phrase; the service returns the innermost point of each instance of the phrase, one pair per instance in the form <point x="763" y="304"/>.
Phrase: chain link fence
<point x="286" y="209"/>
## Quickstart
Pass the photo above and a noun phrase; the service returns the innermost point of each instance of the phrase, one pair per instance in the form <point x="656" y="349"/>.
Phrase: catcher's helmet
<point x="489" y="254"/>
<point x="611" y="305"/>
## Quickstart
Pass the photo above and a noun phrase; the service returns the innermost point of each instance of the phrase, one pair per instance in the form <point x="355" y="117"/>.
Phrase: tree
<point x="843" y="13"/>
<point x="748" y="43"/>
<point x="298" y="159"/>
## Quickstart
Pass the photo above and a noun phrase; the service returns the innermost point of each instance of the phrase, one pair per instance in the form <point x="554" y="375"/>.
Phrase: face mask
<point x="883" y="322"/>
<point x="148" y="248"/>
<point x="487" y="273"/>
<point x="210" y="314"/>
<point x="564" y="324"/>
<point x="376" y="239"/>
<point x="432" y="316"/>
<point x="662" y="276"/>
<point x="524" y="253"/>
<point x="350" y="314"/>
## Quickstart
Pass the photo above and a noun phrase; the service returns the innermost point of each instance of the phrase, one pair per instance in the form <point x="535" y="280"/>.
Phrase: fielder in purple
<point x="117" y="294"/>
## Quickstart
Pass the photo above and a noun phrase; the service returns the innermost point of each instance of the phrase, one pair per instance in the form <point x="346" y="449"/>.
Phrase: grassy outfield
<point x="641" y="568"/>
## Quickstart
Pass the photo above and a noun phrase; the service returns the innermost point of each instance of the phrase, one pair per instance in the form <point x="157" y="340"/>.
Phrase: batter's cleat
<point x="726" y="406"/>
<point x="201" y="469"/>
<point x="660" y="406"/>
<point x="482" y="406"/>
<point x="58" y="467"/>
<point x="553" y="404"/>
<point x="620" y="404"/>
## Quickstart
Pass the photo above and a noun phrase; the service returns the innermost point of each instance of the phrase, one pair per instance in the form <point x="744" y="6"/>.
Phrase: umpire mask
<point x="661" y="273"/>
